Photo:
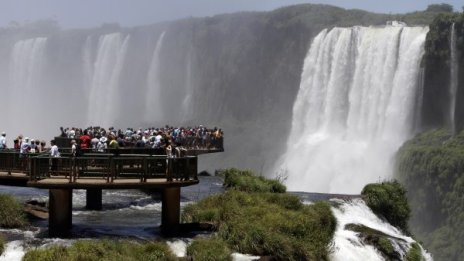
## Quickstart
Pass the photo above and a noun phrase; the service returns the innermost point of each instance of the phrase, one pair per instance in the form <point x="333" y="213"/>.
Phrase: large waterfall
<point x="354" y="108"/>
<point x="104" y="93"/>
<point x="153" y="108"/>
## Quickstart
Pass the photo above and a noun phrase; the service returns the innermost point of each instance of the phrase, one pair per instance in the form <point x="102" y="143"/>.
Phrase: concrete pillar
<point x="93" y="199"/>
<point x="170" y="211"/>
<point x="60" y="212"/>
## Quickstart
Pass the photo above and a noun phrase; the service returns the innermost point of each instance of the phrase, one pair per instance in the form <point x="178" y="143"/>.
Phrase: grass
<point x="267" y="224"/>
<point x="105" y="250"/>
<point x="209" y="249"/>
<point x="11" y="213"/>
<point x="245" y="180"/>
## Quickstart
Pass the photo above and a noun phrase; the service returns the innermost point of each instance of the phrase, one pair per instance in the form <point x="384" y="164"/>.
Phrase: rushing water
<point x="153" y="109"/>
<point x="453" y="79"/>
<point x="133" y="214"/>
<point x="347" y="244"/>
<point x="104" y="90"/>
<point x="355" y="107"/>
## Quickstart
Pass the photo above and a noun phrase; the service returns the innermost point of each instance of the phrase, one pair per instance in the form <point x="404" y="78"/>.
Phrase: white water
<point x="348" y="246"/>
<point x="187" y="102"/>
<point x="104" y="96"/>
<point x="453" y="79"/>
<point x="153" y="99"/>
<point x="26" y="68"/>
<point x="354" y="107"/>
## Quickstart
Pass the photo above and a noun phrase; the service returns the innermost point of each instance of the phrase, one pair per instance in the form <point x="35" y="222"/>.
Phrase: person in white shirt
<point x="54" y="153"/>
<point x="3" y="141"/>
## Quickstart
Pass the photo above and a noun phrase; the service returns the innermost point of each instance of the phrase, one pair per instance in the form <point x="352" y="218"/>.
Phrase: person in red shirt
<point x="85" y="140"/>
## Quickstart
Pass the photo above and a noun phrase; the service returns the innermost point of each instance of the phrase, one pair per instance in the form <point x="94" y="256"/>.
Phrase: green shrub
<point x="414" y="253"/>
<point x="209" y="249"/>
<point x="245" y="180"/>
<point x="11" y="213"/>
<point x="2" y="244"/>
<point x="107" y="250"/>
<point x="388" y="200"/>
<point x="268" y="224"/>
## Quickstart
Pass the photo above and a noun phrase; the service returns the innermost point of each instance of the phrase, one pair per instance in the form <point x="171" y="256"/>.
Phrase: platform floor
<point x="57" y="182"/>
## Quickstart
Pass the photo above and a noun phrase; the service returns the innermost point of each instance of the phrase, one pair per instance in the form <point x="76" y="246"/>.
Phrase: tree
<point x="442" y="8"/>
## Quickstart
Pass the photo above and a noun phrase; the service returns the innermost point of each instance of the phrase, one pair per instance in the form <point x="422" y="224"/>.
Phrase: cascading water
<point x="104" y="93"/>
<point x="153" y="99"/>
<point x="354" y="107"/>
<point x="453" y="79"/>
<point x="26" y="65"/>
<point x="349" y="246"/>
<point x="187" y="102"/>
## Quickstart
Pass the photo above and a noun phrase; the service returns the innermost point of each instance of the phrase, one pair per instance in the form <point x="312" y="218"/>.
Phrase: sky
<point x="91" y="13"/>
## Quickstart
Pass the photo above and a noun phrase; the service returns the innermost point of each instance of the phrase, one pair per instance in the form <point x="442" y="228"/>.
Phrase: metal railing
<point x="100" y="165"/>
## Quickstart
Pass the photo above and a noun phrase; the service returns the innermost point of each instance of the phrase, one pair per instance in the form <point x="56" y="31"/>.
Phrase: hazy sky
<point x="89" y="13"/>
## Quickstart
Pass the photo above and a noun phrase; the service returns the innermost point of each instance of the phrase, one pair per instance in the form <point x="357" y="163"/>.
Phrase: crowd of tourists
<point x="100" y="139"/>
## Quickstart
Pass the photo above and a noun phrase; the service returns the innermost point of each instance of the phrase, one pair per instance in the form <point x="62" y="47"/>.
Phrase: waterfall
<point x="354" y="107"/>
<point x="349" y="246"/>
<point x="26" y="69"/>
<point x="453" y="79"/>
<point x="104" y="97"/>
<point x="153" y="99"/>
<point x="187" y="101"/>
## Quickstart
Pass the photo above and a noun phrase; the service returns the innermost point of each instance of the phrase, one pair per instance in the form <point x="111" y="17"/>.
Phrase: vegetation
<point x="379" y="240"/>
<point x="431" y="167"/>
<point x="11" y="213"/>
<point x="91" y="250"/>
<point x="2" y="244"/>
<point x="414" y="254"/>
<point x="447" y="8"/>
<point x="268" y="224"/>
<point x="245" y="180"/>
<point x="388" y="200"/>
<point x="209" y="249"/>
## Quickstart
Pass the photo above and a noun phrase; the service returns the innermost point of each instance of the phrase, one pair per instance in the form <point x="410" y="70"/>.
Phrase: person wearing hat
<point x="25" y="146"/>
<point x="3" y="141"/>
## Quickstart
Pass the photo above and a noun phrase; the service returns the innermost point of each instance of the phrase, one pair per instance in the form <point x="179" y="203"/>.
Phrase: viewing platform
<point x="124" y="168"/>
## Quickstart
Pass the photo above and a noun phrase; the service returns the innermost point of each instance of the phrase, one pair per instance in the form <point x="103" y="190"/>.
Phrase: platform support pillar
<point x="93" y="199"/>
<point x="60" y="212"/>
<point x="170" y="211"/>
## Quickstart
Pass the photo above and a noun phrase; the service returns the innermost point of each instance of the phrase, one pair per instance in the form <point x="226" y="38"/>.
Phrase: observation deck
<point x="124" y="168"/>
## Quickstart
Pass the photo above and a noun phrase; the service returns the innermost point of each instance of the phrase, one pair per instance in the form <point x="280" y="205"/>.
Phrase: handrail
<point x="100" y="165"/>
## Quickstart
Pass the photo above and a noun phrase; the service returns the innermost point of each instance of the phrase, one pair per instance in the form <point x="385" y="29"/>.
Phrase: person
<point x="43" y="145"/>
<point x="33" y="148"/>
<point x="73" y="148"/>
<point x="102" y="146"/>
<point x="113" y="143"/>
<point x="54" y="153"/>
<point x="85" y="140"/>
<point x="37" y="145"/>
<point x="16" y="145"/>
<point x="3" y="141"/>
<point x="24" y="147"/>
